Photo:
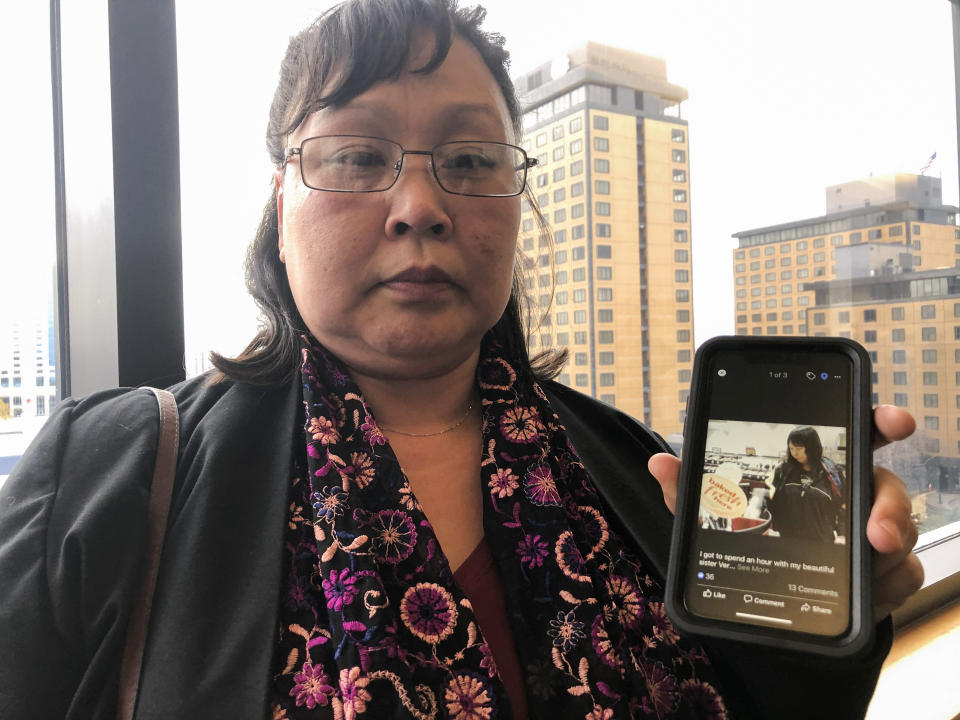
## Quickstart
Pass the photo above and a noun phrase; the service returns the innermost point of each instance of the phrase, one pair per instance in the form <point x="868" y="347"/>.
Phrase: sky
<point x="784" y="99"/>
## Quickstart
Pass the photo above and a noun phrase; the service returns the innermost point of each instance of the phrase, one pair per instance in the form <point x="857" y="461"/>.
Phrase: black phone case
<point x="859" y="635"/>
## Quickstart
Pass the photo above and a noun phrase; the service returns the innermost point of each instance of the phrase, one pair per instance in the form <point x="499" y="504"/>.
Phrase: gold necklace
<point x="453" y="427"/>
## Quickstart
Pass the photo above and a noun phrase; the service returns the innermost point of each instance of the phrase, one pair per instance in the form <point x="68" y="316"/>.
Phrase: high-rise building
<point x="612" y="180"/>
<point x="881" y="267"/>
<point x="774" y="267"/>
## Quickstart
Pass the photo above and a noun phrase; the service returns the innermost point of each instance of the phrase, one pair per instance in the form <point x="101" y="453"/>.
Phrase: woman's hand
<point x="897" y="572"/>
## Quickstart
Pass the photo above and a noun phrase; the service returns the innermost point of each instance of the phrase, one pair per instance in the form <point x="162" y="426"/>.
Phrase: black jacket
<point x="72" y="523"/>
<point x="805" y="504"/>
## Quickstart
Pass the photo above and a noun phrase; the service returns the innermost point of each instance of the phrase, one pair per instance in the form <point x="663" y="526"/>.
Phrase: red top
<point x="479" y="579"/>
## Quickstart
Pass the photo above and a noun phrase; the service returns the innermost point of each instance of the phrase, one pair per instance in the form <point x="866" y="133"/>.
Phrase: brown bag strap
<point x="161" y="490"/>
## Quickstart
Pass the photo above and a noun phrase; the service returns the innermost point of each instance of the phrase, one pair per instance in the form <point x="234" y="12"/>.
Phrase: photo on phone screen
<point x="771" y="545"/>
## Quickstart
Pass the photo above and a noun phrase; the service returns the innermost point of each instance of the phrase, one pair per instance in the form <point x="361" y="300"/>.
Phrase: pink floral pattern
<point x="372" y="623"/>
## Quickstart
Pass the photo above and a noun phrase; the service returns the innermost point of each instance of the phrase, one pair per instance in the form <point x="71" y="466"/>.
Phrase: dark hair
<point x="342" y="54"/>
<point x="809" y="440"/>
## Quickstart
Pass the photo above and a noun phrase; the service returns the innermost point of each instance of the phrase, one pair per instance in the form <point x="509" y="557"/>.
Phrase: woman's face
<point x="798" y="452"/>
<point x="404" y="283"/>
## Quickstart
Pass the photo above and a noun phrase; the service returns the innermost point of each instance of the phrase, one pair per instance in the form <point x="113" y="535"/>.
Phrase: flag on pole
<point x="927" y="165"/>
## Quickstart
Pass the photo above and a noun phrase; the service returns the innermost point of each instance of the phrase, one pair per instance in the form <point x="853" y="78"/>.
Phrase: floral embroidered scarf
<point x="374" y="625"/>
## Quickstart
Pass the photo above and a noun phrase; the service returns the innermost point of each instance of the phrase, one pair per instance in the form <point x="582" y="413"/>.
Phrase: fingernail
<point x="891" y="527"/>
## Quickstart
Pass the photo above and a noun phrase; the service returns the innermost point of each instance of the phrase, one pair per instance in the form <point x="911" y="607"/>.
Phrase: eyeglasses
<point x="354" y="163"/>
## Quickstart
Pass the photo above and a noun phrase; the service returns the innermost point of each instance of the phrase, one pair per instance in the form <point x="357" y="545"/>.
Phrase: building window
<point x="605" y="358"/>
<point x="785" y="262"/>
<point x="558" y="153"/>
<point x="874" y="234"/>
<point x="605" y="337"/>
<point x="900" y="399"/>
<point x="577" y="211"/>
<point x="576" y="146"/>
<point x="679" y="195"/>
<point x="604" y="315"/>
<point x="558" y="132"/>
<point x="579" y="296"/>
<point x="576" y="167"/>
<point x="576" y="190"/>
<point x="603" y="230"/>
<point x="580" y="358"/>
<point x="541" y="139"/>
<point x="601" y="143"/>
<point x="604" y="294"/>
<point x="928" y="312"/>
<point x="681" y="256"/>
<point x="683" y="296"/>
<point x="602" y="187"/>
<point x="601" y="165"/>
<point x="928" y="334"/>
<point x="899" y="356"/>
<point x="604" y="272"/>
<point x="895" y="230"/>
<point x="897" y="313"/>
<point x="899" y="378"/>
<point x="680" y="216"/>
<point x="679" y="156"/>
<point x="581" y="379"/>
<point x="683" y="336"/>
<point x="559" y="195"/>
<point x="819" y="319"/>
<point x="576" y="124"/>
<point x="680" y="236"/>
<point x="601" y="122"/>
<point x="603" y="209"/>
<point x="931" y="400"/>
<point x="929" y="356"/>
<point x="606" y="379"/>
<point x="560" y="215"/>
<point x="579" y="274"/>
<point x="683" y="316"/>
<point x="579" y="316"/>
<point x="681" y="276"/>
<point x="560" y="256"/>
<point x="579" y="253"/>
<point x="684" y="356"/>
<point x="869" y="315"/>
<point x="680" y="176"/>
<point x="898" y="335"/>
<point x="561" y="298"/>
<point x="580" y="337"/>
<point x="930" y="378"/>
<point x="870" y="336"/>
<point x="684" y="375"/>
<point x="677" y="135"/>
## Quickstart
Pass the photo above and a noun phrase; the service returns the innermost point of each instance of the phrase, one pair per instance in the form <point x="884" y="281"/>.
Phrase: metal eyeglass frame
<point x="528" y="162"/>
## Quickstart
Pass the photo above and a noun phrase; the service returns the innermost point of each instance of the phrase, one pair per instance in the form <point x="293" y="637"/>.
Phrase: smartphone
<point x="769" y="542"/>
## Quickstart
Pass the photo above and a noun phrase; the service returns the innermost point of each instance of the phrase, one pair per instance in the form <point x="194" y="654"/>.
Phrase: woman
<point x="330" y="552"/>
<point x="807" y="501"/>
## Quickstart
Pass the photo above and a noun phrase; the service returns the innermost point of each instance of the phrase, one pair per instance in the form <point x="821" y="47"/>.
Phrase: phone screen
<point x="772" y="541"/>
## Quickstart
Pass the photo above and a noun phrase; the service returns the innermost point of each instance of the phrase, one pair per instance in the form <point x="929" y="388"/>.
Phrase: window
<point x="679" y="156"/>
<point x="579" y="316"/>
<point x="604" y="315"/>
<point x="680" y="236"/>
<point x="931" y="400"/>
<point x="579" y="296"/>
<point x="605" y="358"/>
<point x="929" y="356"/>
<point x="558" y="132"/>
<point x="899" y="378"/>
<point x="600" y="122"/>
<point x="560" y="215"/>
<point x="897" y="313"/>
<point x="603" y="230"/>
<point x="605" y="379"/>
<point x="874" y="234"/>
<point x="684" y="375"/>
<point x="928" y="334"/>
<point x="679" y="195"/>
<point x="681" y="275"/>
<point x="930" y="378"/>
<point x="578" y="253"/>
<point x="819" y="318"/>
<point x="684" y="356"/>
<point x="576" y="167"/>
<point x="681" y="256"/>
<point x="580" y="337"/>
<point x="604" y="272"/>
<point x="602" y="187"/>
<point x="576" y="146"/>
<point x="785" y="262"/>
<point x="680" y="216"/>
<point x="900" y="399"/>
<point x="558" y="153"/>
<point x="601" y="165"/>
<point x="541" y="139"/>
<point x="576" y="190"/>
<point x="581" y="379"/>
<point x="683" y="336"/>
<point x="898" y="335"/>
<point x="579" y="274"/>
<point x="577" y="211"/>
<point x="560" y="256"/>
<point x="580" y="358"/>
<point x="576" y="124"/>
<point x="603" y="209"/>
<point x="869" y="315"/>
<point x="683" y="296"/>
<point x="561" y="298"/>
<point x="870" y="336"/>
<point x="683" y="316"/>
<point x="928" y="312"/>
<point x="604" y="294"/>
<point x="899" y="356"/>
<point x="677" y="135"/>
<point x="605" y="337"/>
<point x="680" y="176"/>
<point x="601" y="143"/>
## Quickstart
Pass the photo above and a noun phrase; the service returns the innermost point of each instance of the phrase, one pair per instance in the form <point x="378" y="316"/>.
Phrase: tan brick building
<point x="613" y="182"/>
